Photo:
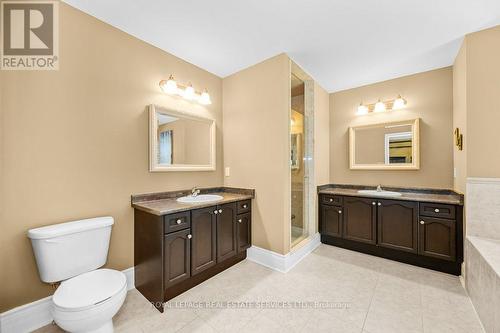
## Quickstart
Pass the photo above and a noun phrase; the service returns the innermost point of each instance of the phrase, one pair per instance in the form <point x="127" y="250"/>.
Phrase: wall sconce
<point x="381" y="106"/>
<point x="187" y="92"/>
<point x="459" y="139"/>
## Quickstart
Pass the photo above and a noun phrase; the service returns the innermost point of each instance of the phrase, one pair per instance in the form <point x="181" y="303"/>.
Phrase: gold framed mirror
<point x="385" y="146"/>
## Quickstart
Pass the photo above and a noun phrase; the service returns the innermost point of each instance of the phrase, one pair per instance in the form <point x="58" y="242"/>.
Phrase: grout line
<point x="371" y="301"/>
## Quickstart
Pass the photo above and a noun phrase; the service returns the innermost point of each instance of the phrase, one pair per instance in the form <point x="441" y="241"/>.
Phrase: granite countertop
<point x="408" y="194"/>
<point x="166" y="202"/>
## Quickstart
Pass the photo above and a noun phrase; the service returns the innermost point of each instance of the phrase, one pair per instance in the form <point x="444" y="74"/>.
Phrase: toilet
<point x="72" y="253"/>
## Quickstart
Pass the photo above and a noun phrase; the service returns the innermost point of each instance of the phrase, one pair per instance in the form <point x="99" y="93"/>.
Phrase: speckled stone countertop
<point x="408" y="194"/>
<point x="164" y="203"/>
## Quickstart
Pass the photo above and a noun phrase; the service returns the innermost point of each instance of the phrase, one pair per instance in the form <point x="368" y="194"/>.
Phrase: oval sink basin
<point x="200" y="198"/>
<point x="376" y="193"/>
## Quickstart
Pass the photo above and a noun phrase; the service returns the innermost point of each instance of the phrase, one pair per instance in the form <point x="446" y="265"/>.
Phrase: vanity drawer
<point x="331" y="200"/>
<point x="243" y="207"/>
<point x="437" y="210"/>
<point x="178" y="221"/>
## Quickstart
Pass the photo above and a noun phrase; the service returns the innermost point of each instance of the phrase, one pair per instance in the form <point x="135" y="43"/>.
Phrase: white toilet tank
<point x="68" y="249"/>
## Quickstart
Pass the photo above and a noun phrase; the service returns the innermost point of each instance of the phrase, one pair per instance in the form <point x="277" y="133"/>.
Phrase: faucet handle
<point x="379" y="188"/>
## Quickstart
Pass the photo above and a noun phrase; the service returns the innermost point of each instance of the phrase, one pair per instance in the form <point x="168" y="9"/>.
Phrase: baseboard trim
<point x="282" y="262"/>
<point x="31" y="316"/>
<point x="476" y="180"/>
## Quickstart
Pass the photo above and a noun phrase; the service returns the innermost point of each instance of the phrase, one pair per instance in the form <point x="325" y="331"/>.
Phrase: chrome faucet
<point x="195" y="191"/>
<point x="379" y="188"/>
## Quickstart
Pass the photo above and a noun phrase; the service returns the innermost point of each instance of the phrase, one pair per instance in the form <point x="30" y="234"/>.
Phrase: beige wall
<point x="460" y="118"/>
<point x="74" y="142"/>
<point x="429" y="97"/>
<point x="483" y="103"/>
<point x="256" y="104"/>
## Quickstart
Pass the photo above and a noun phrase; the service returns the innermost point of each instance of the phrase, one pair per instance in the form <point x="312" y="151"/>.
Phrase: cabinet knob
<point x="190" y="236"/>
<point x="374" y="203"/>
<point x="331" y="200"/>
<point x="220" y="210"/>
<point x="340" y="212"/>
<point x="379" y="204"/>
<point x="245" y="206"/>
<point x="179" y="221"/>
<point x="436" y="210"/>
<point x="240" y="220"/>
<point x="215" y="212"/>
<point x="422" y="222"/>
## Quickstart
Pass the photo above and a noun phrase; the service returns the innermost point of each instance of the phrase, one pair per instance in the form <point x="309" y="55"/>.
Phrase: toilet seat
<point x="89" y="289"/>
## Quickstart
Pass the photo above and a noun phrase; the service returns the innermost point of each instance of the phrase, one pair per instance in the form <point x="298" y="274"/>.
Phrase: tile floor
<point x="370" y="294"/>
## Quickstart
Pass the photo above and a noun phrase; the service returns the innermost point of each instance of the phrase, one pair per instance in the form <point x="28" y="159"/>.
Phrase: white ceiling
<point x="341" y="43"/>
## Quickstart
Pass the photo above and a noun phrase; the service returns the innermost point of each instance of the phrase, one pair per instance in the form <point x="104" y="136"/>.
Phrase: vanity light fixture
<point x="381" y="106"/>
<point x="362" y="109"/>
<point x="171" y="87"/>
<point x="399" y="103"/>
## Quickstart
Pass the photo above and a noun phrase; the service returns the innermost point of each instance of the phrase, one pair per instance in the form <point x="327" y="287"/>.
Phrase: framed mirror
<point x="180" y="142"/>
<point x="385" y="146"/>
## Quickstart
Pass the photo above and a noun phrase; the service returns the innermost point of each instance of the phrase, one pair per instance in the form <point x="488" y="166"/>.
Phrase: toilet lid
<point x="89" y="288"/>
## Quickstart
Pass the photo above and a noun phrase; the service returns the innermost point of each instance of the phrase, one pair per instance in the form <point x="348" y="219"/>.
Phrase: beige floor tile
<point x="372" y="295"/>
<point x="198" y="325"/>
<point x="322" y="322"/>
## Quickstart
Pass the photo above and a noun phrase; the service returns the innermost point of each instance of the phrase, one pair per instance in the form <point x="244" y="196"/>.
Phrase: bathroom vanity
<point x="179" y="245"/>
<point x="419" y="227"/>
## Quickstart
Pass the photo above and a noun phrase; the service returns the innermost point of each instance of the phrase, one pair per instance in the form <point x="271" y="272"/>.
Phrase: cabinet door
<point x="397" y="225"/>
<point x="226" y="231"/>
<point x="177" y="255"/>
<point x="360" y="219"/>
<point x="244" y="231"/>
<point x="437" y="238"/>
<point x="203" y="243"/>
<point x="331" y="220"/>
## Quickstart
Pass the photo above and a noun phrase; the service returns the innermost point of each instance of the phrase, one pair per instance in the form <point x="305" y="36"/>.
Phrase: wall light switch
<point x="227" y="171"/>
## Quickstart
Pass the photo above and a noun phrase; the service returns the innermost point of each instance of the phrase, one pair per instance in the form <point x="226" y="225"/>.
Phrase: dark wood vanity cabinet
<point x="226" y="231"/>
<point x="177" y="257"/>
<point x="437" y="238"/>
<point x="397" y="225"/>
<point x="332" y="220"/>
<point x="244" y="231"/>
<point x="360" y="220"/>
<point x="204" y="238"/>
<point x="175" y="252"/>
<point x="418" y="233"/>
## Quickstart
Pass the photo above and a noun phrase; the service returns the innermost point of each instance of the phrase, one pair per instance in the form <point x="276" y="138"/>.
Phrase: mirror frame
<point x="154" y="166"/>
<point x="415" y="165"/>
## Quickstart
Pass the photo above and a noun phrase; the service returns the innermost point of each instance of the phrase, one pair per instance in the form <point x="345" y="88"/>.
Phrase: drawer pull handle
<point x="422" y="222"/>
<point x="331" y="200"/>
<point x="216" y="212"/>
<point x="240" y="220"/>
<point x="340" y="212"/>
<point x="379" y="204"/>
<point x="374" y="203"/>
<point x="245" y="206"/>
<point x="179" y="221"/>
<point x="190" y="236"/>
<point x="220" y="210"/>
<point x="436" y="210"/>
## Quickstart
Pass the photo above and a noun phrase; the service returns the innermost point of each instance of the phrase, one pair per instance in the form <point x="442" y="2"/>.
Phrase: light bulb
<point x="399" y="103"/>
<point x="205" y="98"/>
<point x="362" y="109"/>
<point x="379" y="106"/>
<point x="189" y="92"/>
<point x="169" y="86"/>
